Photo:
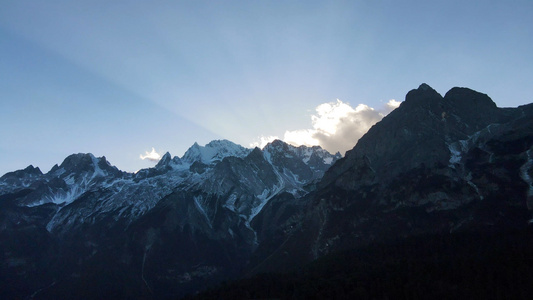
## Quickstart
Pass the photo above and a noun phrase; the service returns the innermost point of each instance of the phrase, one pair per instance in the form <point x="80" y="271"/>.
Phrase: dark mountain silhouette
<point x="434" y="165"/>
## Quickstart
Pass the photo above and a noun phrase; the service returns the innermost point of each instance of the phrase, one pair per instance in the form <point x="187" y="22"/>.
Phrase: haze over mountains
<point x="435" y="165"/>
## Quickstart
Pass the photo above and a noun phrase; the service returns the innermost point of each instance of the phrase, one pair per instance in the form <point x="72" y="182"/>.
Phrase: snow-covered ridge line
<point x="214" y="151"/>
<point x="102" y="189"/>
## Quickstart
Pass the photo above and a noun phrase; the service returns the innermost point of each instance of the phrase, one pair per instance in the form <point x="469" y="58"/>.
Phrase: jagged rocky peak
<point x="256" y="155"/>
<point x="227" y="148"/>
<point x="420" y="130"/>
<point x="423" y="97"/>
<point x="463" y="105"/>
<point x="256" y="152"/>
<point x="425" y="87"/>
<point x="104" y="164"/>
<point x="165" y="159"/>
<point x="282" y="147"/>
<point x="84" y="163"/>
<point x="168" y="162"/>
<point x="307" y="163"/>
<point x="192" y="154"/>
<point x="20" y="177"/>
<point x="461" y="97"/>
<point x="78" y="162"/>
<point x="29" y="171"/>
<point x="457" y="101"/>
<point x="277" y="146"/>
<point x="309" y="155"/>
<point x="214" y="151"/>
<point x="33" y="170"/>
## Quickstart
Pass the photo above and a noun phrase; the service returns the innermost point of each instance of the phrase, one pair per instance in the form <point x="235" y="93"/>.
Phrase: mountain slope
<point x="434" y="165"/>
<point x="171" y="228"/>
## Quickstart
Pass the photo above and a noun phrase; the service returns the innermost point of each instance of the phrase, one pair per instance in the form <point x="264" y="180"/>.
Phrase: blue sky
<point x="117" y="78"/>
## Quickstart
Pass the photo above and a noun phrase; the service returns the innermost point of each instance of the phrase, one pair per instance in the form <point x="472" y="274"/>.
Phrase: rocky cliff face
<point x="436" y="164"/>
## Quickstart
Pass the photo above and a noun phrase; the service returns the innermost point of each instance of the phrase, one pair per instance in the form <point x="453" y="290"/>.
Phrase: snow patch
<point x="524" y="174"/>
<point x="69" y="196"/>
<point x="477" y="139"/>
<point x="60" y="171"/>
<point x="69" y="180"/>
<point x="473" y="185"/>
<point x="267" y="156"/>
<point x="97" y="171"/>
<point x="230" y="203"/>
<point x="265" y="196"/>
<point x="456" y="151"/>
<point x="307" y="155"/>
<point x="197" y="200"/>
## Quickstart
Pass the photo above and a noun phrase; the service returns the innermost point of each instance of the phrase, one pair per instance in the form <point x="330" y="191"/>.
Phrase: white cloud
<point x="152" y="156"/>
<point x="263" y="141"/>
<point x="337" y="126"/>
<point x="300" y="137"/>
<point x="391" y="105"/>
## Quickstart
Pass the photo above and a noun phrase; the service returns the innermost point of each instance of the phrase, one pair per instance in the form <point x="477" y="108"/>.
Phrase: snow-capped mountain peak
<point x="314" y="156"/>
<point x="214" y="151"/>
<point x="83" y="164"/>
<point x="20" y="178"/>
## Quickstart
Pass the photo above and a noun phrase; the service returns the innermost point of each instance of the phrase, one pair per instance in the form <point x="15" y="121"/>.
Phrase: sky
<point x="133" y="79"/>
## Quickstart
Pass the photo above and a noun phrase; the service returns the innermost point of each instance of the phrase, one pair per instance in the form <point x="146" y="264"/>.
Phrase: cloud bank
<point x="336" y="126"/>
<point x="151" y="156"/>
<point x="263" y="141"/>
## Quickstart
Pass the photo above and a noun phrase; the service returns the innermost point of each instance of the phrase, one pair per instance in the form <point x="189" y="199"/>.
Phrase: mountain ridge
<point x="206" y="199"/>
<point x="434" y="166"/>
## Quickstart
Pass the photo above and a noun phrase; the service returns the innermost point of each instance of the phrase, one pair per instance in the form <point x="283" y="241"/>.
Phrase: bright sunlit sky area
<point x="118" y="78"/>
